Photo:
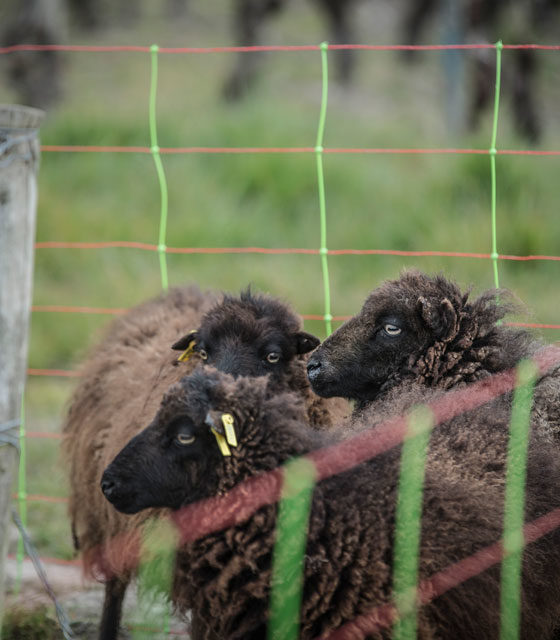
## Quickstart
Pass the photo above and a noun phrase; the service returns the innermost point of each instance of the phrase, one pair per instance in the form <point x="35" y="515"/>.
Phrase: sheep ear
<point x="185" y="342"/>
<point x="186" y="345"/>
<point x="306" y="342"/>
<point x="440" y="317"/>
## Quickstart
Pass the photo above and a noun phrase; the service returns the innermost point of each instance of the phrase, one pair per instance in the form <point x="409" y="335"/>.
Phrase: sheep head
<point x="417" y="327"/>
<point x="179" y="458"/>
<point x="251" y="335"/>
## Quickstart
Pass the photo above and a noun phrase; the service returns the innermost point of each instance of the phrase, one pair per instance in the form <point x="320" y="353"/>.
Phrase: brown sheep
<point x="224" y="576"/>
<point x="425" y="330"/>
<point x="125" y="377"/>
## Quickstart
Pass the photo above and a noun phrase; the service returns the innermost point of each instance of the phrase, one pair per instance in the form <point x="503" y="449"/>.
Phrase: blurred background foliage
<point x="374" y="201"/>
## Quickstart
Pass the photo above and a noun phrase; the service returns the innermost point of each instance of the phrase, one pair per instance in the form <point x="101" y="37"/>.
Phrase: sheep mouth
<point x="325" y="387"/>
<point x="125" y="504"/>
<point x="344" y="386"/>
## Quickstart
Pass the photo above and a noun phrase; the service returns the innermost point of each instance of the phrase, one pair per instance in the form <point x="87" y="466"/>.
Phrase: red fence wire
<point x="332" y="252"/>
<point x="179" y="150"/>
<point x="307" y="47"/>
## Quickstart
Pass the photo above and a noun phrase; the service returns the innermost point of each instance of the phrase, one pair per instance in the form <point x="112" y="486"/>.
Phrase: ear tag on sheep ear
<point x="221" y="440"/>
<point x="227" y="421"/>
<point x="187" y="353"/>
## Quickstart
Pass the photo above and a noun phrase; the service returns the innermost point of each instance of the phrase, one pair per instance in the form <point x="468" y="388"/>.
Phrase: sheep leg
<point x="484" y="72"/>
<point x="416" y="14"/>
<point x="524" y="109"/>
<point x="112" y="608"/>
<point x="249" y="15"/>
<point x="341" y="32"/>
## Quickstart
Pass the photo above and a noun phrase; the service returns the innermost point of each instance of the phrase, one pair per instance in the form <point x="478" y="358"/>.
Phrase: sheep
<point x="249" y="17"/>
<point x="424" y="330"/>
<point x="123" y="381"/>
<point x="224" y="576"/>
<point x="258" y="335"/>
<point x="34" y="76"/>
<point x="487" y="21"/>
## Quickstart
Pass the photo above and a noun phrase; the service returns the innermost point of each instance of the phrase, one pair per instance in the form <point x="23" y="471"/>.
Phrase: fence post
<point x="19" y="161"/>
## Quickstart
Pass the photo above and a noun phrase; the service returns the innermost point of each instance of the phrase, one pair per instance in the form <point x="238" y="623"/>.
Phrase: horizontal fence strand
<point x="236" y="150"/>
<point x="125" y="244"/>
<point x="248" y="49"/>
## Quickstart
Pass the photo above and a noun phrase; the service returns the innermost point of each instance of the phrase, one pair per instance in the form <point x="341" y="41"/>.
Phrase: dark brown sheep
<point x="123" y="381"/>
<point x="255" y="336"/>
<point x="225" y="575"/>
<point x="425" y="330"/>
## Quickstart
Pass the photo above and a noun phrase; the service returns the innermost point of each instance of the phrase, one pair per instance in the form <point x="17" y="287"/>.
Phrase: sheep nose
<point x="313" y="368"/>
<point x="108" y="487"/>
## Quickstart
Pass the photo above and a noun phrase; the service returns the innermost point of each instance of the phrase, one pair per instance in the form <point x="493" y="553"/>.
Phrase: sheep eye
<point x="202" y="353"/>
<point x="183" y="439"/>
<point x="391" y="329"/>
<point x="273" y="357"/>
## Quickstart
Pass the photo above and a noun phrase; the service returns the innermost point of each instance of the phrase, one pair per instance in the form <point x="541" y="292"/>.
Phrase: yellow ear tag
<point x="224" y="449"/>
<point x="227" y="421"/>
<point x="187" y="353"/>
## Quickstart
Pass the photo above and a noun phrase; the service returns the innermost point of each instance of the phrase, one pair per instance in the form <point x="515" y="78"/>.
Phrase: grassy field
<point x="374" y="201"/>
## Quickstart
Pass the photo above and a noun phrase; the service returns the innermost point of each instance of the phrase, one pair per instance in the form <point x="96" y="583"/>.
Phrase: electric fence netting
<point x="293" y="484"/>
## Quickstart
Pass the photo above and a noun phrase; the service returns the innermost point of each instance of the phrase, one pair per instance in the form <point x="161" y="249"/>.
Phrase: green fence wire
<point x="299" y="477"/>
<point x="158" y="556"/>
<point x="21" y="495"/>
<point x="408" y="521"/>
<point x="514" y="502"/>
<point x="492" y="153"/>
<point x="159" y="168"/>
<point x="289" y="549"/>
<point x="323" y="251"/>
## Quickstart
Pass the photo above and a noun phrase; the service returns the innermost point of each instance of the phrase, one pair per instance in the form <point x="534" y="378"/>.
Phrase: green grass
<point x="36" y="624"/>
<point x="403" y="202"/>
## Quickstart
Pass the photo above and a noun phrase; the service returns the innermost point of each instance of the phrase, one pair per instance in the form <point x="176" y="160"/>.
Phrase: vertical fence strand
<point x="155" y="574"/>
<point x="159" y="167"/>
<point x="22" y="496"/>
<point x="289" y="549"/>
<point x="514" y="506"/>
<point x="492" y="152"/>
<point x="155" y="566"/>
<point x="323" y="251"/>
<point x="408" y="521"/>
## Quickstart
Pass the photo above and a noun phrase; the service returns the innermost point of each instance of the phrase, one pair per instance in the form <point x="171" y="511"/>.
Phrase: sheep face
<point x="250" y="336"/>
<point x="397" y="326"/>
<point x="162" y="466"/>
<point x="177" y="459"/>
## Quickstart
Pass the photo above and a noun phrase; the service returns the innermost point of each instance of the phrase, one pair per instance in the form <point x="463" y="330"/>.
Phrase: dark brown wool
<point x="224" y="577"/>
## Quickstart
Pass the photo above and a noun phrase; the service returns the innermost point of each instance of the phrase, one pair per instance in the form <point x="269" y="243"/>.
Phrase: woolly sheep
<point x="425" y="330"/>
<point x="225" y="575"/>
<point x="122" y="383"/>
